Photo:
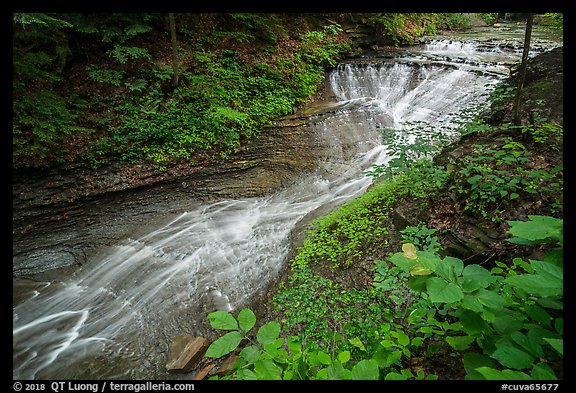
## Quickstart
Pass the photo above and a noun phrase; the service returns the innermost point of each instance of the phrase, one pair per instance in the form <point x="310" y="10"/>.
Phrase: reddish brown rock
<point x="185" y="353"/>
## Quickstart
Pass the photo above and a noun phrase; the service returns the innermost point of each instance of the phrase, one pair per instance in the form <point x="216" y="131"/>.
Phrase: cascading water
<point x="116" y="316"/>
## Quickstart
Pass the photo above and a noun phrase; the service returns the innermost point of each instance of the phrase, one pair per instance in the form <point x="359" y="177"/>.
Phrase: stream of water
<point x="117" y="315"/>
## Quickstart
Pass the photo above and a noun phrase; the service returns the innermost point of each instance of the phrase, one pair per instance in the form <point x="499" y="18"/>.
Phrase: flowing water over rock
<point x="115" y="316"/>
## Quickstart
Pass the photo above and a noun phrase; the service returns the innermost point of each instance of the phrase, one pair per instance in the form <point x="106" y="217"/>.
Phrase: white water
<point x="116" y="316"/>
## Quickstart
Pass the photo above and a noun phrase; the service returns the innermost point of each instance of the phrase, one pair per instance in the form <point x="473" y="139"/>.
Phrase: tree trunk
<point x="522" y="70"/>
<point x="175" y="65"/>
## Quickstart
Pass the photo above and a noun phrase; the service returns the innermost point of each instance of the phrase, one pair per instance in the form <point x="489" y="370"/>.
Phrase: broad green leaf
<point x="281" y="356"/>
<point x="222" y="320"/>
<point x="474" y="179"/>
<point x="539" y="229"/>
<point x="488" y="315"/>
<point x="475" y="277"/>
<point x="322" y="373"/>
<point x="537" y="284"/>
<point x="268" y="333"/>
<point x="250" y="353"/>
<point x="402" y="338"/>
<point x="324" y="358"/>
<point x="490" y="299"/>
<point x="536" y="337"/>
<point x="555" y="257"/>
<point x="365" y="369"/>
<point x="551" y="302"/>
<point x="419" y="270"/>
<point x="472" y="322"/>
<point x="442" y="291"/>
<point x="344" y="356"/>
<point x="523" y="242"/>
<point x="548" y="269"/>
<point x="542" y="371"/>
<point x="268" y="370"/>
<point x="507" y="324"/>
<point x="472" y="361"/>
<point x="559" y="325"/>
<point x="418" y="283"/>
<point x="394" y="376"/>
<point x="493" y="374"/>
<point x="294" y="344"/>
<point x="246" y="319"/>
<point x="224" y="345"/>
<point x="387" y="343"/>
<point x="246" y="374"/>
<point x="274" y="345"/>
<point x="313" y="359"/>
<point x="538" y="314"/>
<point x="449" y="268"/>
<point x="385" y="358"/>
<point x="471" y="302"/>
<point x="337" y="372"/>
<point x="529" y="344"/>
<point x="417" y="341"/>
<point x="460" y="343"/>
<point x="557" y="344"/>
<point x="402" y="262"/>
<point x="511" y="356"/>
<point x="357" y="343"/>
<point x="429" y="260"/>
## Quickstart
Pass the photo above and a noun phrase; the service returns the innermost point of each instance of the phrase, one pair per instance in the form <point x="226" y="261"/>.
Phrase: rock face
<point x="185" y="353"/>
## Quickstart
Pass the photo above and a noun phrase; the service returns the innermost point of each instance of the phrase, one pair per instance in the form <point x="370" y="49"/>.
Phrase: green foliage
<point x="113" y="28"/>
<point x="42" y="120"/>
<point x="403" y="28"/>
<point x="422" y="237"/>
<point x="319" y="48"/>
<point x="124" y="53"/>
<point x="553" y="20"/>
<point x="327" y="315"/>
<point x="489" y="17"/>
<point x="540" y="229"/>
<point x="495" y="176"/>
<point x="99" y="75"/>
<point x="273" y="356"/>
<point x="392" y="282"/>
<point x="544" y="133"/>
<point x="501" y="96"/>
<point x="417" y="156"/>
<point x="453" y="21"/>
<point x="510" y="315"/>
<point x="222" y="100"/>
<point x="340" y="238"/>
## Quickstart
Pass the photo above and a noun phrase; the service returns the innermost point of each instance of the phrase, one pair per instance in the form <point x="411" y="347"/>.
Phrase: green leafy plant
<point x="544" y="133"/>
<point x="422" y="237"/>
<point x="495" y="176"/>
<point x="510" y="319"/>
<point x="99" y="75"/>
<point x="269" y="356"/>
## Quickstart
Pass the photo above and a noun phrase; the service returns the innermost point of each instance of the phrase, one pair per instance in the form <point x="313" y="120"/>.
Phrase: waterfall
<point x="115" y="316"/>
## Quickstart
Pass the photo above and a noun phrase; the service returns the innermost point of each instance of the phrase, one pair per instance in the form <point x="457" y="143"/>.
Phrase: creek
<point x="115" y="316"/>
